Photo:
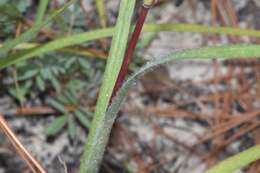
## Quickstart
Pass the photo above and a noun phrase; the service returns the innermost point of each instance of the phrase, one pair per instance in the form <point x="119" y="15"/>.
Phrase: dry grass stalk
<point x="32" y="163"/>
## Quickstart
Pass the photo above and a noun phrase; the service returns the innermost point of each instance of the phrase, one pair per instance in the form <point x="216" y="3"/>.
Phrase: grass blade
<point x="101" y="33"/>
<point x="41" y="11"/>
<point x="72" y="50"/>
<point x="224" y="52"/>
<point x="95" y="146"/>
<point x="238" y="161"/>
<point x="54" y="45"/>
<point x="178" y="27"/>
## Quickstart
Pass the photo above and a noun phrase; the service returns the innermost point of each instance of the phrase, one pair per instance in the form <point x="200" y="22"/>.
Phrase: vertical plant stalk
<point x="100" y="126"/>
<point x="27" y="157"/>
<point x="131" y="47"/>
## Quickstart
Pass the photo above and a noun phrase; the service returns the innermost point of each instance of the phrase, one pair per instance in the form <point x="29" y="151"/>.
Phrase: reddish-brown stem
<point x="130" y="49"/>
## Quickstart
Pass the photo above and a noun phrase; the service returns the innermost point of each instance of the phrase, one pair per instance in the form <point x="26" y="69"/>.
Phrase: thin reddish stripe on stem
<point x="130" y="49"/>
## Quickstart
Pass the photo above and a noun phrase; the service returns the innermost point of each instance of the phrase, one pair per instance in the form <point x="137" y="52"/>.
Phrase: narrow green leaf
<point x="104" y="126"/>
<point x="238" y="161"/>
<point x="62" y="99"/>
<point x="56" y="105"/>
<point x="82" y="119"/>
<point x="72" y="127"/>
<point x="91" y="157"/>
<point x="55" y="83"/>
<point x="69" y="63"/>
<point x="56" y="126"/>
<point x="40" y="83"/>
<point x="85" y="64"/>
<point x="54" y="45"/>
<point x="180" y="27"/>
<point x="45" y="73"/>
<point x="222" y="52"/>
<point x="29" y="74"/>
<point x="101" y="33"/>
<point x="43" y="4"/>
<point x="71" y="97"/>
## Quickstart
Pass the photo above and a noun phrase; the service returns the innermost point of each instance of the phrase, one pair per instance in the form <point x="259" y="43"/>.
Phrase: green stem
<point x="99" y="131"/>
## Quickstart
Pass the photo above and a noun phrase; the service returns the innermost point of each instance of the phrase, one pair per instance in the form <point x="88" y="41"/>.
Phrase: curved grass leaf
<point x="56" y="126"/>
<point x="62" y="43"/>
<point x="54" y="45"/>
<point x="238" y="161"/>
<point x="221" y="52"/>
<point x="179" y="27"/>
<point x="225" y="52"/>
<point x="83" y="52"/>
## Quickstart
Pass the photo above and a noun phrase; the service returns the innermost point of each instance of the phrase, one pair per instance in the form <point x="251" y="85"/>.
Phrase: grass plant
<point x="106" y="108"/>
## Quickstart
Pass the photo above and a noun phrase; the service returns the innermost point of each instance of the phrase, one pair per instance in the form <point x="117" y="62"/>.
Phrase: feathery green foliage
<point x="77" y="114"/>
<point x="57" y="125"/>
<point x="31" y="33"/>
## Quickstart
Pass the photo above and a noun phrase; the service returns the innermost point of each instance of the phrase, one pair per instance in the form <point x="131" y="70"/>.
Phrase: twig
<point x="63" y="164"/>
<point x="32" y="163"/>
